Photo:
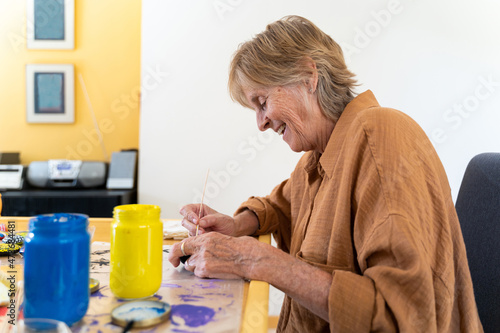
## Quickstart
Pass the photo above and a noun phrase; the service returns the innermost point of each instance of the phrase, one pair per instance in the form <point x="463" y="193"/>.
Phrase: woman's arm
<point x="219" y="256"/>
<point x="306" y="284"/>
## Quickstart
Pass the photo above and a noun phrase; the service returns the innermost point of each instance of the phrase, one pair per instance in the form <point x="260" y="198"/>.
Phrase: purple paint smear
<point x="218" y="294"/>
<point x="190" y="298"/>
<point x="99" y="293"/>
<point x="194" y="316"/>
<point x="97" y="315"/>
<point x="211" y="285"/>
<point x="169" y="285"/>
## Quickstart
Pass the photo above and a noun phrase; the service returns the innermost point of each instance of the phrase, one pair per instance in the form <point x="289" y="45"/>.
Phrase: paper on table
<point x="174" y="229"/>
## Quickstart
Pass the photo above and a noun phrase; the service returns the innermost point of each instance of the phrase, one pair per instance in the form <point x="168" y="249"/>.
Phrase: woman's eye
<point x="263" y="105"/>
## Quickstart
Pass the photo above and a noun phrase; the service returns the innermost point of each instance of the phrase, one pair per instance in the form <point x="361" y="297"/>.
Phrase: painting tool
<point x="201" y="203"/>
<point x="140" y="314"/>
<point x="183" y="259"/>
<point x="128" y="327"/>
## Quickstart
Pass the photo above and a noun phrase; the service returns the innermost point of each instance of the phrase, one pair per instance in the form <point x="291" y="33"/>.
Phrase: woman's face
<point x="292" y="113"/>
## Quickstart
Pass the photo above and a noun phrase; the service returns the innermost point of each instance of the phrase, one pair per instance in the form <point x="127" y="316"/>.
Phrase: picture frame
<point x="50" y="93"/>
<point x="50" y="24"/>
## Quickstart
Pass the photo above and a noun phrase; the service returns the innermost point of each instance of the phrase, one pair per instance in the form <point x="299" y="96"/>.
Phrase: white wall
<point x="427" y="58"/>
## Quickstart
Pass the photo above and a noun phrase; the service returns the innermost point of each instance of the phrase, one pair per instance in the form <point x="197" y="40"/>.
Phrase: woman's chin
<point x="294" y="147"/>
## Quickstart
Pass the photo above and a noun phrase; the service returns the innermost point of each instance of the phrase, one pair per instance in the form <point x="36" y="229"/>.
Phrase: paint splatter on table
<point x="198" y="305"/>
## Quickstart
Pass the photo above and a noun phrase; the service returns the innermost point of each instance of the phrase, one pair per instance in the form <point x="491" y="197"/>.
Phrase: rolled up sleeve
<point x="273" y="213"/>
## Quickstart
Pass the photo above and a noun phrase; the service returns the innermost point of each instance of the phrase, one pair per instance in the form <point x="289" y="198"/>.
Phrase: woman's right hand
<point x="210" y="220"/>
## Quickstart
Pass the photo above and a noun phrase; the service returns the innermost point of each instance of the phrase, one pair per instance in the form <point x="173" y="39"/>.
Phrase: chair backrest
<point x="478" y="209"/>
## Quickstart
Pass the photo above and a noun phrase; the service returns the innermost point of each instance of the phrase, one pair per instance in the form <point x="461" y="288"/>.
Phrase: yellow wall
<point x="107" y="54"/>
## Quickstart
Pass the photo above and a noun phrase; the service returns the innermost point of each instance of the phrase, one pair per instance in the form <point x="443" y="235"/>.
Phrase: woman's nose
<point x="262" y="121"/>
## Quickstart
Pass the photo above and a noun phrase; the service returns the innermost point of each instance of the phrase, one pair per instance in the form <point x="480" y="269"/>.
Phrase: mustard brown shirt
<point x="375" y="211"/>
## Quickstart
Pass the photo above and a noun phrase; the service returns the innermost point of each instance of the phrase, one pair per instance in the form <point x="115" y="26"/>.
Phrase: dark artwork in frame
<point x="49" y="93"/>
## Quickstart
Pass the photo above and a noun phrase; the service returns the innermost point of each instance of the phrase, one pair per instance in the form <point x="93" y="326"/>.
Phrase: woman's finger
<point x="188" y="265"/>
<point x="194" y="211"/>
<point x="191" y="227"/>
<point x="218" y="222"/>
<point x="172" y="257"/>
<point x="190" y="211"/>
<point x="179" y="250"/>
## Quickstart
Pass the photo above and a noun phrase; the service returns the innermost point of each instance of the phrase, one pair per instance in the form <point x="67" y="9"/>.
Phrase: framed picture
<point x="50" y="93"/>
<point x="50" y="24"/>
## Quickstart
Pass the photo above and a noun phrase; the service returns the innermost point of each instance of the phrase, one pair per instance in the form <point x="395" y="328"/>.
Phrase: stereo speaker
<point x="122" y="170"/>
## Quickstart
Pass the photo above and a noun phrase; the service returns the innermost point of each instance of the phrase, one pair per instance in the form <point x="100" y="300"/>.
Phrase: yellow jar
<point x="136" y="251"/>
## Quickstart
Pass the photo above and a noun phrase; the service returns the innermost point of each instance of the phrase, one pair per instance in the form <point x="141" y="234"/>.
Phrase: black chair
<point x="478" y="209"/>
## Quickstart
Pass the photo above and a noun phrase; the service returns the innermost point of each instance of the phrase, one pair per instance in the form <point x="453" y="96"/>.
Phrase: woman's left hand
<point x="215" y="255"/>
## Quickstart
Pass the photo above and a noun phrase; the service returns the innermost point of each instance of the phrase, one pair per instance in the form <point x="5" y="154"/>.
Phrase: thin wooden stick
<point x="201" y="203"/>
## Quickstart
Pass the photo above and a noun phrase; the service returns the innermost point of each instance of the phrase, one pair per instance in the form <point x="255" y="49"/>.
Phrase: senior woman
<point x="367" y="233"/>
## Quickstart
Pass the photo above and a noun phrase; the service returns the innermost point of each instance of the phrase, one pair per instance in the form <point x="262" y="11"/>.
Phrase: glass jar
<point x="136" y="251"/>
<point x="56" y="267"/>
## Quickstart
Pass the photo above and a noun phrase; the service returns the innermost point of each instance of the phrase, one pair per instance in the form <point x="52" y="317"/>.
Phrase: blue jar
<point x="56" y="267"/>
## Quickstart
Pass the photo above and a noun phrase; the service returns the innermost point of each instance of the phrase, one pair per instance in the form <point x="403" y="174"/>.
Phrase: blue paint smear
<point x="182" y="331"/>
<point x="140" y="313"/>
<point x="169" y="285"/>
<point x="194" y="316"/>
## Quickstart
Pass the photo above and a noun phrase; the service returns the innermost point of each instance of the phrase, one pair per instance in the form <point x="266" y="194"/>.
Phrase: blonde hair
<point x="276" y="57"/>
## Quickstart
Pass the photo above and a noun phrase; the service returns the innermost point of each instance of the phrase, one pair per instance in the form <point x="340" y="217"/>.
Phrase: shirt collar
<point x="325" y="163"/>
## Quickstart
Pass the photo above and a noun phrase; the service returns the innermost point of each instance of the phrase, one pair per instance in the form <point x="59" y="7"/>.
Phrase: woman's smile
<point x="292" y="113"/>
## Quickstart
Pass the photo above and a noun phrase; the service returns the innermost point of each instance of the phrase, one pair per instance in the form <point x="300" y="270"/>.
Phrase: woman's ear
<point x="310" y="66"/>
